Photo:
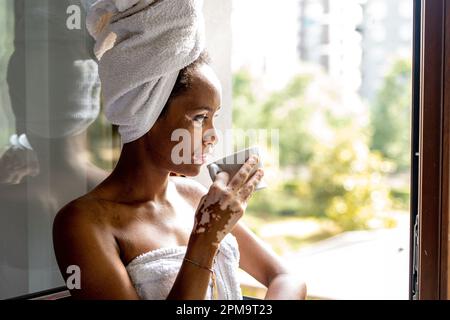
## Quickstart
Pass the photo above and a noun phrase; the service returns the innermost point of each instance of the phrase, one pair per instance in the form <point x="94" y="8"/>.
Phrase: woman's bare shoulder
<point x="81" y="213"/>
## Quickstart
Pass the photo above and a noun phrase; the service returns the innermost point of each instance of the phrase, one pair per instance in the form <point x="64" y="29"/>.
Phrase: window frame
<point x="433" y="163"/>
<point x="415" y="148"/>
<point x="445" y="288"/>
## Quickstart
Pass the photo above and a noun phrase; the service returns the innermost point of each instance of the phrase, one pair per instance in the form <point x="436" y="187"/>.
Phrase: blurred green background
<point x="355" y="178"/>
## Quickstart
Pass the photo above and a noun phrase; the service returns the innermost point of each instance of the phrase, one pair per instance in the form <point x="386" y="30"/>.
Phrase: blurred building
<point x="387" y="32"/>
<point x="355" y="41"/>
<point x="329" y="37"/>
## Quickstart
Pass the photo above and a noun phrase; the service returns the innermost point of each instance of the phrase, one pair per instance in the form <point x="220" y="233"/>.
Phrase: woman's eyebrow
<point x="207" y="109"/>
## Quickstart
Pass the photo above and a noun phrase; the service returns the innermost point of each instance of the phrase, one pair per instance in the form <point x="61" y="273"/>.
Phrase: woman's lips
<point x="201" y="159"/>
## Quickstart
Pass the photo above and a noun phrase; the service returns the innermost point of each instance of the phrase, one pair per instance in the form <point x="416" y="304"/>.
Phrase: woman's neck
<point x="137" y="176"/>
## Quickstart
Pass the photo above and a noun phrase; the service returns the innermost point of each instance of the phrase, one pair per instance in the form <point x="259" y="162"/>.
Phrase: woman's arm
<point x="218" y="212"/>
<point x="192" y="281"/>
<point x="82" y="242"/>
<point x="269" y="269"/>
<point x="281" y="283"/>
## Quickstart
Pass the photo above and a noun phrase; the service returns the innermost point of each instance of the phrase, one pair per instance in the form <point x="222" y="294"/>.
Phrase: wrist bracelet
<point x="214" y="292"/>
<point x="199" y="265"/>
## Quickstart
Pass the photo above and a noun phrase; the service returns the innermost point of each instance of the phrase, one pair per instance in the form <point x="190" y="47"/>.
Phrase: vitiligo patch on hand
<point x="206" y="213"/>
<point x="214" y="208"/>
<point x="200" y="230"/>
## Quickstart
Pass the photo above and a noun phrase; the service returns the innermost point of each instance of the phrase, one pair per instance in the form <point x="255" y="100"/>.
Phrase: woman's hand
<point x="225" y="203"/>
<point x="16" y="164"/>
<point x="286" y="287"/>
<point x="217" y="214"/>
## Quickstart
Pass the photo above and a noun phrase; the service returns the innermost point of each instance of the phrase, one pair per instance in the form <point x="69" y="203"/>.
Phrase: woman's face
<point x="180" y="139"/>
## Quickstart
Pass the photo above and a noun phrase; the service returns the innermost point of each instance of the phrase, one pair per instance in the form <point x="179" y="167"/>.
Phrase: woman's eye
<point x="200" y="118"/>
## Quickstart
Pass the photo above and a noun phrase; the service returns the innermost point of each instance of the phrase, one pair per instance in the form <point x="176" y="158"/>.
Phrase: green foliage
<point x="344" y="178"/>
<point x="346" y="184"/>
<point x="244" y="100"/>
<point x="276" y="202"/>
<point x="104" y="143"/>
<point x="400" y="198"/>
<point x="283" y="110"/>
<point x="391" y="114"/>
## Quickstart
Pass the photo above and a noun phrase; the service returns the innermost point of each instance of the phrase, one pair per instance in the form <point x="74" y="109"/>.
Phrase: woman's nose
<point x="210" y="137"/>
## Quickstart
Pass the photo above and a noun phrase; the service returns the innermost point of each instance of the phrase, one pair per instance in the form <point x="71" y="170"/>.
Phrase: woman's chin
<point x="191" y="170"/>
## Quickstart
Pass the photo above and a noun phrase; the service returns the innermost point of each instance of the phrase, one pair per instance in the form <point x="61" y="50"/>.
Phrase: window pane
<point x="333" y="78"/>
<point x="55" y="145"/>
<point x="55" y="142"/>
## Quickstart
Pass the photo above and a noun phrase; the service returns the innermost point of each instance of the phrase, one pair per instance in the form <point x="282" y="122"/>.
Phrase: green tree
<point x="245" y="113"/>
<point x="346" y="181"/>
<point x="391" y="114"/>
<point x="283" y="110"/>
<point x="338" y="178"/>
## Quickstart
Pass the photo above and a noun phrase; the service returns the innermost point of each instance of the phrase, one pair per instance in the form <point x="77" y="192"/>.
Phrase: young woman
<point x="144" y="233"/>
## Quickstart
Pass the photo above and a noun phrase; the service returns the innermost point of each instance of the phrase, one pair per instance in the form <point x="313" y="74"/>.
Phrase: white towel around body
<point x="154" y="273"/>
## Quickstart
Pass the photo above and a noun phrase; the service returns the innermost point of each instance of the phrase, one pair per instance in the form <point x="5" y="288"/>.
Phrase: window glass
<point x="323" y="87"/>
<point x="55" y="144"/>
<point x="337" y="204"/>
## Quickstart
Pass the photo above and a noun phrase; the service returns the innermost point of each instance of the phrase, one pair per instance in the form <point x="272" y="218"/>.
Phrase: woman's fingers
<point x="244" y="172"/>
<point x="248" y="189"/>
<point x="221" y="180"/>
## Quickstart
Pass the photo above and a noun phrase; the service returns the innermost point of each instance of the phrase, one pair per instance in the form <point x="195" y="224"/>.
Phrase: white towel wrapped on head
<point x="141" y="46"/>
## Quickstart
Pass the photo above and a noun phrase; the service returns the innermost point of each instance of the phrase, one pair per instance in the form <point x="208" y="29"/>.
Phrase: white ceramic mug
<point x="232" y="163"/>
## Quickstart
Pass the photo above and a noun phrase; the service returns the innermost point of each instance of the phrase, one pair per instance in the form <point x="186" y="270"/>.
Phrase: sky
<point x="265" y="38"/>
